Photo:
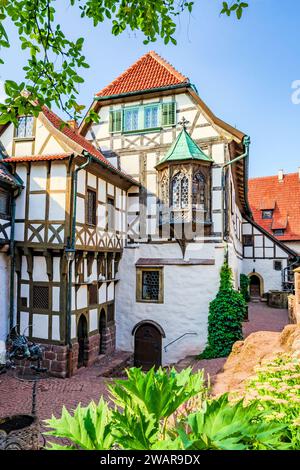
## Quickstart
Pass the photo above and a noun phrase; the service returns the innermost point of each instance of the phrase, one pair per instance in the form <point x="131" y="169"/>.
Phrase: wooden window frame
<point x="40" y="309"/>
<point x="26" y="137"/>
<point x="91" y="224"/>
<point x="114" y="129"/>
<point x="139" y="285"/>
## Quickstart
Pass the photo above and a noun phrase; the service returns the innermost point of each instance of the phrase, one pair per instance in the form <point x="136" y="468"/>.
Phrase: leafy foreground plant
<point x="166" y="410"/>
<point x="276" y="387"/>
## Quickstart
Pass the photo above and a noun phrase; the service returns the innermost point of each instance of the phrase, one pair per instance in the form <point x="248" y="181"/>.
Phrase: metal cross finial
<point x="183" y="122"/>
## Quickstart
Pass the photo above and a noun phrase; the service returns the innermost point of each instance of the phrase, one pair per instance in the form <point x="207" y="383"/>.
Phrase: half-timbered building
<point x="189" y="213"/>
<point x="120" y="228"/>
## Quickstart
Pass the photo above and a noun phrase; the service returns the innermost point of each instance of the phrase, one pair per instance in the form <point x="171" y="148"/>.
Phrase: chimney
<point x="72" y="123"/>
<point x="280" y="176"/>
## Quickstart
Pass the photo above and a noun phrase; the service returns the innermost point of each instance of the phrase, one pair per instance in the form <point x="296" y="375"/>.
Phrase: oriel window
<point x="91" y="207"/>
<point x="25" y="127"/>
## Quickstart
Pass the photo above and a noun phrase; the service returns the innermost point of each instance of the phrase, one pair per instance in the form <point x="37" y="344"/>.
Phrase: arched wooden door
<point x="102" y="327"/>
<point x="82" y="336"/>
<point x="147" y="346"/>
<point x="254" y="286"/>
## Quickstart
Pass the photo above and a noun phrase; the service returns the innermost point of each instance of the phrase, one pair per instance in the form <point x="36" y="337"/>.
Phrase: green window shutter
<point x="115" y="121"/>
<point x="168" y="114"/>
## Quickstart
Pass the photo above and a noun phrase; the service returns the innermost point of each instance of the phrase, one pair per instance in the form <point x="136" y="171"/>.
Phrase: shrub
<point x="226" y="314"/>
<point x="244" y="287"/>
<point x="141" y="420"/>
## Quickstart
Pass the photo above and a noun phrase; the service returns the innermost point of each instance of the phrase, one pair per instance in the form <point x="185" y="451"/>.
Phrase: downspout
<point x="70" y="252"/>
<point x="12" y="254"/>
<point x="245" y="155"/>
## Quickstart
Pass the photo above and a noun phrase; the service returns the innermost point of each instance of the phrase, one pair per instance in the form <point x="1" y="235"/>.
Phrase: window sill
<point x="24" y="139"/>
<point x="143" y="301"/>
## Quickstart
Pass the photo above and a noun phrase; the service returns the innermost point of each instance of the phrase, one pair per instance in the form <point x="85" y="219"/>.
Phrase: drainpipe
<point x="245" y="155"/>
<point x="70" y="253"/>
<point x="12" y="254"/>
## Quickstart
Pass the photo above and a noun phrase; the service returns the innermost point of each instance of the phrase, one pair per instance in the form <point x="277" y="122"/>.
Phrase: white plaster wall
<point x="7" y="139"/>
<point x="294" y="246"/>
<point x="265" y="267"/>
<point x="4" y="296"/>
<point x="57" y="206"/>
<point x="39" y="272"/>
<point x="58" y="176"/>
<point x="37" y="204"/>
<point x="55" y="327"/>
<point x="21" y="199"/>
<point x="187" y="293"/>
<point x="38" y="177"/>
<point x="40" y="326"/>
<point x="93" y="320"/>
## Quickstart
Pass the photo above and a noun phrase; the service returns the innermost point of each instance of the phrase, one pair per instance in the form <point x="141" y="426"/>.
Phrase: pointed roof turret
<point x="184" y="148"/>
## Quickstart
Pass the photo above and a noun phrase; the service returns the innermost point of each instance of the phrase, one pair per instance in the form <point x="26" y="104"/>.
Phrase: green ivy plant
<point x="244" y="287"/>
<point x="226" y="314"/>
<point x="55" y="62"/>
<point x="149" y="414"/>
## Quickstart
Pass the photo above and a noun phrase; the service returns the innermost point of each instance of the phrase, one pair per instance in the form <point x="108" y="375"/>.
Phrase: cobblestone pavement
<point x="15" y="395"/>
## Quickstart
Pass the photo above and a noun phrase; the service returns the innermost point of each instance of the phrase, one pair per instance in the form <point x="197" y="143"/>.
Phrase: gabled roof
<point x="149" y="72"/>
<point x="184" y="148"/>
<point x="283" y="197"/>
<point x="34" y="158"/>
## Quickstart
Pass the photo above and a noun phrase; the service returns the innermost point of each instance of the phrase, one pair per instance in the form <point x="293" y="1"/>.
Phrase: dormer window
<point x="25" y="127"/>
<point x="278" y="232"/>
<point x="267" y="213"/>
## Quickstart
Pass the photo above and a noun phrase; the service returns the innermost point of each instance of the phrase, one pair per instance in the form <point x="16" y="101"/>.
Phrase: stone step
<point x="114" y="364"/>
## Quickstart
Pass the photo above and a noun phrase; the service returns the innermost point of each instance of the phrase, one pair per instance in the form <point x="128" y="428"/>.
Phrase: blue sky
<point x="243" y="69"/>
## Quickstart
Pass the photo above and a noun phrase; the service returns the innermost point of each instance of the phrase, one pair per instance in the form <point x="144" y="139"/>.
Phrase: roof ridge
<point x="272" y="176"/>
<point x="160" y="60"/>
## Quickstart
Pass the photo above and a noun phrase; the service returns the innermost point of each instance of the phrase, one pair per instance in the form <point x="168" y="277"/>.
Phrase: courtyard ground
<point x="15" y="395"/>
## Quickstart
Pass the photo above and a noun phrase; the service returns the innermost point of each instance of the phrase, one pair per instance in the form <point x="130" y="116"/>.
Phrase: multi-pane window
<point x="110" y="213"/>
<point x="4" y="203"/>
<point x="149" y="285"/>
<point x="198" y="191"/>
<point x="248" y="240"/>
<point x="91" y="207"/>
<point x="151" y="117"/>
<point x="277" y="265"/>
<point x="131" y="119"/>
<point x="25" y="127"/>
<point x="139" y="118"/>
<point x="267" y="214"/>
<point x="180" y="191"/>
<point x="40" y="297"/>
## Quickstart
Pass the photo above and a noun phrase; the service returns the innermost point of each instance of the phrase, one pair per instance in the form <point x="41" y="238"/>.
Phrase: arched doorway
<point x="102" y="327"/>
<point x="147" y="345"/>
<point x="82" y="335"/>
<point x="255" y="286"/>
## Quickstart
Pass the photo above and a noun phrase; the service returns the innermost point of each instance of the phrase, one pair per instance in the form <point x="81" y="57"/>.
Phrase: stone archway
<point x="256" y="286"/>
<point x="147" y="345"/>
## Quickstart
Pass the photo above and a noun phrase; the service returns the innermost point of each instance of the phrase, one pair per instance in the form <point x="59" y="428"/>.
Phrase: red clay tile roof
<point x="283" y="197"/>
<point x="148" y="72"/>
<point x="33" y="158"/>
<point x="68" y="131"/>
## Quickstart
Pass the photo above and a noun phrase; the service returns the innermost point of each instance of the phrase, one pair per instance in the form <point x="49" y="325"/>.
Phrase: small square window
<point x="149" y="285"/>
<point x="277" y="265"/>
<point x="267" y="214"/>
<point x="25" y="127"/>
<point x="248" y="240"/>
